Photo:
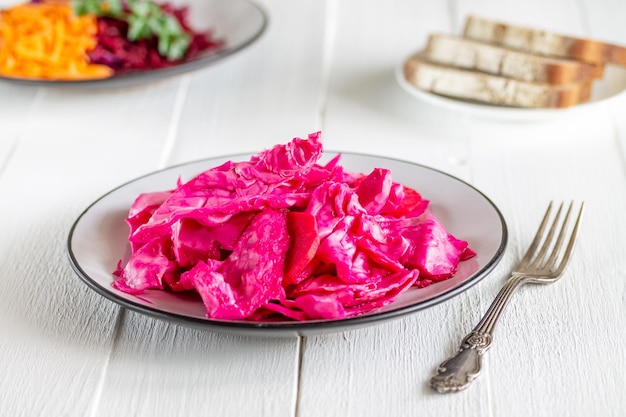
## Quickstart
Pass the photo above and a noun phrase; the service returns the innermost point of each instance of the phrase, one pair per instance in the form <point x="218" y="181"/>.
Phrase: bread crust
<point x="470" y="54"/>
<point x="491" y="89"/>
<point x="544" y="42"/>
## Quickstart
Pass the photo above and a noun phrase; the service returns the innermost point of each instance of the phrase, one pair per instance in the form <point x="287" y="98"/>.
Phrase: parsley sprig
<point x="145" y="19"/>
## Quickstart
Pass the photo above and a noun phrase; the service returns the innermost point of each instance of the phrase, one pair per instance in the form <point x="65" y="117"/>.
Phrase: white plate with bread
<point x="505" y="71"/>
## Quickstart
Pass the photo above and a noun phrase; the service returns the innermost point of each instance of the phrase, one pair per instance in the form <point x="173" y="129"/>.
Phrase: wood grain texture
<point x="7" y="147"/>
<point x="219" y="113"/>
<point x="162" y="369"/>
<point x="14" y="109"/>
<point x="57" y="334"/>
<point x="384" y="370"/>
<point x="366" y="111"/>
<point x="563" y="334"/>
<point x="251" y="102"/>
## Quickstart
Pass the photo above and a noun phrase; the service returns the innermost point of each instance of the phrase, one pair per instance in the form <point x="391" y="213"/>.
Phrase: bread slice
<point x="474" y="55"/>
<point x="492" y="89"/>
<point x="543" y="42"/>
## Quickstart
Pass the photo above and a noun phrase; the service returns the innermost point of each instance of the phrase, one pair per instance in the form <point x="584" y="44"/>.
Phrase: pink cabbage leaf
<point x="281" y="236"/>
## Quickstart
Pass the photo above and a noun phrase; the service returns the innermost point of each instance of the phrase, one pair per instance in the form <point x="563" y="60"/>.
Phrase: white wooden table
<point x="321" y="65"/>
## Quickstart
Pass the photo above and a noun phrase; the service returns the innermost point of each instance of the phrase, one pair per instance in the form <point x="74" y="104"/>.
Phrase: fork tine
<point x="538" y="260"/>
<point x="458" y="371"/>
<point x="537" y="239"/>
<point x="549" y="264"/>
<point x="570" y="245"/>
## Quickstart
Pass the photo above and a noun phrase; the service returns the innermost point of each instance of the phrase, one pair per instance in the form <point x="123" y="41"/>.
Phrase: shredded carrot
<point x="45" y="40"/>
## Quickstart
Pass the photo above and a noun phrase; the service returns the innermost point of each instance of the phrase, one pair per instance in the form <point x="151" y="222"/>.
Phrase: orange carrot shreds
<point x="45" y="40"/>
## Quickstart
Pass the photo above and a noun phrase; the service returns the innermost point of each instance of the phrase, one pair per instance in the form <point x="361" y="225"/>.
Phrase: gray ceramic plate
<point x="238" y="22"/>
<point x="98" y="240"/>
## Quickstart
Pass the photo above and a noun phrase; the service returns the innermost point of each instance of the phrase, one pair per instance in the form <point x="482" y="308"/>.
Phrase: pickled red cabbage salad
<point x="280" y="236"/>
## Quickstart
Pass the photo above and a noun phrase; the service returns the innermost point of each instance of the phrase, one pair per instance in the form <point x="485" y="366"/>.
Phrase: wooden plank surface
<point x="220" y="112"/>
<point x="521" y="166"/>
<point x="251" y="103"/>
<point x="322" y="65"/>
<point x="57" y="334"/>
<point x="384" y="370"/>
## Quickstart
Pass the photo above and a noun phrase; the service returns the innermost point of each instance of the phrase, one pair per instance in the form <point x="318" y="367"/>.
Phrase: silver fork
<point x="543" y="263"/>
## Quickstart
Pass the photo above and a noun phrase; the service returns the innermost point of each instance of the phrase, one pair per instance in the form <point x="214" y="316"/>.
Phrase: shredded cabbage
<point x="282" y="236"/>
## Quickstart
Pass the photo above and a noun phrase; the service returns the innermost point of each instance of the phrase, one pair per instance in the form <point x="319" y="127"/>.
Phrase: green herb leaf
<point x="138" y="28"/>
<point x="83" y="7"/>
<point x="145" y="19"/>
<point x="140" y="8"/>
<point x="115" y="8"/>
<point x="178" y="47"/>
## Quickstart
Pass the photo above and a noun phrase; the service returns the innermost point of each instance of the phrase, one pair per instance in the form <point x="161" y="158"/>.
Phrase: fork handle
<point x="458" y="371"/>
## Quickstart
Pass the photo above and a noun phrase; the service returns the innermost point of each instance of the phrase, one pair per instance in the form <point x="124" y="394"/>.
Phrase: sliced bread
<point x="543" y="42"/>
<point x="492" y="89"/>
<point x="474" y="55"/>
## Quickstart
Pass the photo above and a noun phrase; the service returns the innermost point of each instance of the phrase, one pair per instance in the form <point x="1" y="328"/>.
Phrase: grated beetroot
<point x="122" y="55"/>
<point x="282" y="236"/>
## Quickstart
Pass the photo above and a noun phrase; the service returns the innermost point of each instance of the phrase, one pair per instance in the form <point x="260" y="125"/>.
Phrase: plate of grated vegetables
<point x="120" y="42"/>
<point x="290" y="241"/>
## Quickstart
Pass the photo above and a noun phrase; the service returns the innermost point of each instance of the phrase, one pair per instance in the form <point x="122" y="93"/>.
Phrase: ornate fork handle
<point x="539" y="265"/>
<point x="458" y="371"/>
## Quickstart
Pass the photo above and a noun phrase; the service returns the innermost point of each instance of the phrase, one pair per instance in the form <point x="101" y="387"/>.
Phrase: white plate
<point x="605" y="90"/>
<point x="238" y="22"/>
<point x="98" y="239"/>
